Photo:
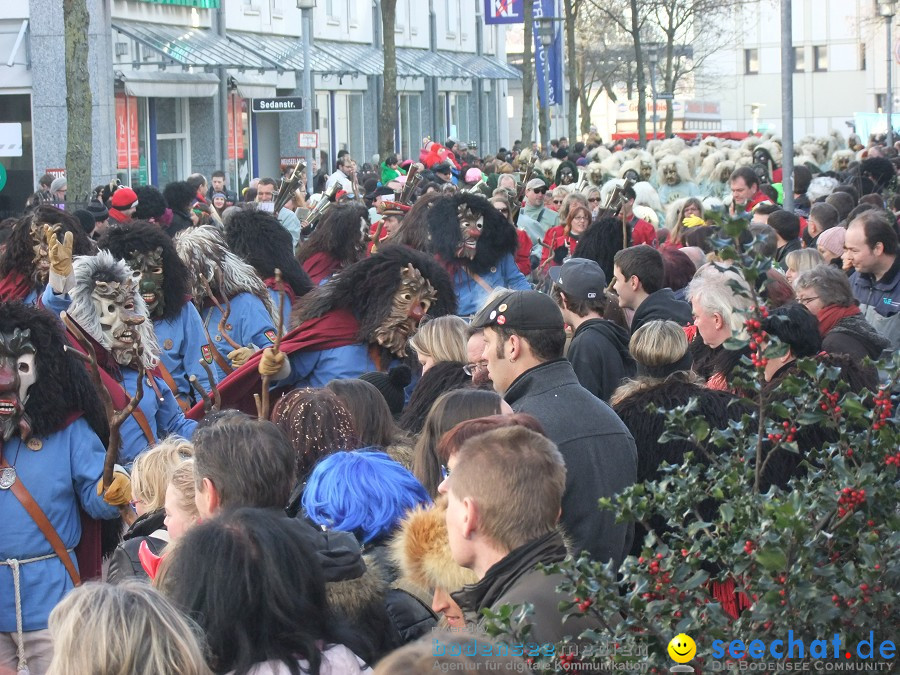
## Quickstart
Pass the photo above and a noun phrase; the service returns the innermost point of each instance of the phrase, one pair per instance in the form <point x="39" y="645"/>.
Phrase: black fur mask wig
<point x="498" y="236"/>
<point x="601" y="242"/>
<point x="258" y="238"/>
<point x="63" y="385"/>
<point x="19" y="254"/>
<point x="367" y="288"/>
<point x="139" y="236"/>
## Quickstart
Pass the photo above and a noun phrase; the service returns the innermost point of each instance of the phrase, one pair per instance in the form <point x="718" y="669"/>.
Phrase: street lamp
<point x="887" y="9"/>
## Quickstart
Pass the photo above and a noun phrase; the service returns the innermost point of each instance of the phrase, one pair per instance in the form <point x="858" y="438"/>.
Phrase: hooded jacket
<point x="124" y="563"/>
<point x="600" y="358"/>
<point x="516" y="581"/>
<point x="661" y="305"/>
<point x="879" y="301"/>
<point x="600" y="455"/>
<point x="856" y="337"/>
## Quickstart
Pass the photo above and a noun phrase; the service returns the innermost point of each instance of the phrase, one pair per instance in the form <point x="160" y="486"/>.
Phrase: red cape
<point x="320" y="265"/>
<point x="14" y="286"/>
<point x="337" y="328"/>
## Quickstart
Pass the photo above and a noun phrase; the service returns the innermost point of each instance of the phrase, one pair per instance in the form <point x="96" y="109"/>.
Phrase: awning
<point x="485" y="67"/>
<point x="287" y="53"/>
<point x="251" y="84"/>
<point x="163" y="84"/>
<point x="425" y="63"/>
<point x="192" y="47"/>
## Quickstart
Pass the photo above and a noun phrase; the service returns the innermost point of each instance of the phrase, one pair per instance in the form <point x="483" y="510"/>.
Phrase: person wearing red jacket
<point x="560" y="241"/>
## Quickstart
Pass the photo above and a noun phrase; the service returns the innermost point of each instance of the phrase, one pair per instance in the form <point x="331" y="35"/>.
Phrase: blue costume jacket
<point x="318" y="368"/>
<point x="470" y="295"/>
<point x="181" y="338"/>
<point x="248" y="324"/>
<point x="60" y="475"/>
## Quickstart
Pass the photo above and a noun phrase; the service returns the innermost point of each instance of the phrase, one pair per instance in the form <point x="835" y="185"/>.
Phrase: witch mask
<point x="17" y="375"/>
<point x="470" y="226"/>
<point x="114" y="303"/>
<point x="150" y="267"/>
<point x="414" y="296"/>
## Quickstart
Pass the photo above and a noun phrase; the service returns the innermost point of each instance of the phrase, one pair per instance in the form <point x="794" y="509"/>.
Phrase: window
<point x="459" y="117"/>
<point x="799" y="59"/>
<point x="862" y="56"/>
<point x="820" y="58"/>
<point x="452" y="16"/>
<point x="442" y="131"/>
<point x="751" y="61"/>
<point x="880" y="103"/>
<point x="410" y="123"/>
<point x="172" y="145"/>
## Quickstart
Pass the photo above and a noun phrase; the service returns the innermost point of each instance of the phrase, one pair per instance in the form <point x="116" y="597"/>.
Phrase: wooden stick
<point x="213" y="388"/>
<point x="262" y="401"/>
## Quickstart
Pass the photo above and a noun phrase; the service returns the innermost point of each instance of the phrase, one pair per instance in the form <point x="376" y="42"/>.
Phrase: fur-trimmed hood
<point x="421" y="550"/>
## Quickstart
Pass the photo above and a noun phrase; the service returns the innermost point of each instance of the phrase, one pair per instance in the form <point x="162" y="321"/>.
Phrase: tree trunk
<point x="571" y="13"/>
<point x="79" y="131"/>
<point x="528" y="77"/>
<point x="387" y="124"/>
<point x="544" y="121"/>
<point x="639" y="67"/>
<point x="670" y="61"/>
<point x="585" y="113"/>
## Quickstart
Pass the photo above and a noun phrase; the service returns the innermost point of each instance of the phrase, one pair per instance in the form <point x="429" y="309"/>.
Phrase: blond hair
<point x="658" y="343"/>
<point x="517" y="478"/>
<point x="152" y="470"/>
<point x="183" y="481"/>
<point x="803" y="260"/>
<point x="134" y="629"/>
<point x="443" y="339"/>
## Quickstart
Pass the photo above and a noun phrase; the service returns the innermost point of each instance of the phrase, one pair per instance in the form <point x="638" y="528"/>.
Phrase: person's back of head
<point x="242" y="461"/>
<point x="134" y="631"/>
<point x="643" y="262"/>
<point x="440" y="378"/>
<point x="254" y="586"/>
<point x="441" y="339"/>
<point x="849" y="190"/>
<point x="785" y="224"/>
<point x="369" y="411"/>
<point x="513" y="479"/>
<point x="825" y="215"/>
<point x="843" y="202"/>
<point x="152" y="470"/>
<point x="363" y="492"/>
<point x="179" y="195"/>
<point x="795" y="326"/>
<point x="660" y="348"/>
<point x="196" y="181"/>
<point x="802" y="179"/>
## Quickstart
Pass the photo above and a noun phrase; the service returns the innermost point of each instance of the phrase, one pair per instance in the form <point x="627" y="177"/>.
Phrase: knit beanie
<point x="832" y="240"/>
<point x="391" y="385"/>
<point x="123" y="198"/>
<point x="97" y="210"/>
<point x="86" y="219"/>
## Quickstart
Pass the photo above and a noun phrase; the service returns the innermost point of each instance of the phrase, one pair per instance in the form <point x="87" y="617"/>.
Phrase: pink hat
<point x="473" y="175"/>
<point x="832" y="240"/>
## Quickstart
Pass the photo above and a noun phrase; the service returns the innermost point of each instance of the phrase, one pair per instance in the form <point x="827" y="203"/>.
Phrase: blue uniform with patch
<point x="471" y="295"/>
<point x="61" y="475"/>
<point x="248" y="324"/>
<point x="164" y="415"/>
<point x="318" y="368"/>
<point x="32" y="297"/>
<point x="181" y="339"/>
<point x="276" y="302"/>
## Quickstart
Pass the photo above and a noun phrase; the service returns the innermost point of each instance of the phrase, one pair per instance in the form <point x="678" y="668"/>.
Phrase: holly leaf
<point x="772" y="558"/>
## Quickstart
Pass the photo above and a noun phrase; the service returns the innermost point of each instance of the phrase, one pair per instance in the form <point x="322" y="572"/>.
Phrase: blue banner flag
<point x="553" y="54"/>
<point x="504" y="11"/>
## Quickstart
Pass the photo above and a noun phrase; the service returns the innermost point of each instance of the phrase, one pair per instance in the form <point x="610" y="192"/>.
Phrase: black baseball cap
<point x="522" y="310"/>
<point x="442" y="168"/>
<point x="580" y="278"/>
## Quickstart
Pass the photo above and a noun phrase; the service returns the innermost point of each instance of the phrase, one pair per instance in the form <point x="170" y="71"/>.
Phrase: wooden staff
<point x="211" y="400"/>
<point x="116" y="418"/>
<point x="262" y="401"/>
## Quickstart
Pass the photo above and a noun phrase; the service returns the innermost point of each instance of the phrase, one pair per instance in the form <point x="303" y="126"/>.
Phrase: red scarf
<point x="321" y="265"/>
<point x="288" y="291"/>
<point x="15" y="286"/>
<point x="829" y="316"/>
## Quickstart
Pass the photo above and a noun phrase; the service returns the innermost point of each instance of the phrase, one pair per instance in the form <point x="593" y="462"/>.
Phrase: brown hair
<point x="573" y="211"/>
<point x="517" y="478"/>
<point x="453" y="440"/>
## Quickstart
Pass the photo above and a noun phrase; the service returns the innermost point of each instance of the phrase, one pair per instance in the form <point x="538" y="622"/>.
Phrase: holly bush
<point x="820" y="557"/>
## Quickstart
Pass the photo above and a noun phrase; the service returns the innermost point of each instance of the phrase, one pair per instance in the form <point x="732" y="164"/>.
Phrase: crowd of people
<point x="277" y="432"/>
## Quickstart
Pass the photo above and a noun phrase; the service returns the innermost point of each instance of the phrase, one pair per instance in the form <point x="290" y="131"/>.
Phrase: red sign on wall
<point x="235" y="134"/>
<point x="127" y="132"/>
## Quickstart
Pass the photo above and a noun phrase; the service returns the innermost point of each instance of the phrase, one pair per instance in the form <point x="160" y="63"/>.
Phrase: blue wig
<point x="364" y="492"/>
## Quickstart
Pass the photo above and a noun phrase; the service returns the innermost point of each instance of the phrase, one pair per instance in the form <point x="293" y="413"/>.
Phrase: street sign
<point x="665" y="96"/>
<point x="307" y="139"/>
<point x="278" y="104"/>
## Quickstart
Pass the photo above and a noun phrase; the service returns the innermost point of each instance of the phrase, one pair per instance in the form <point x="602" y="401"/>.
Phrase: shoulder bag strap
<point x="169" y="380"/>
<point x="44" y="525"/>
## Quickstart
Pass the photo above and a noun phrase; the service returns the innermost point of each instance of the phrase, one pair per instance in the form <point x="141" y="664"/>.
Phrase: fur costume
<point x="630" y="169"/>
<point x="645" y="195"/>
<point x="566" y="164"/>
<point x="602" y="241"/>
<point x="421" y="551"/>
<point x="674" y="168"/>
<point x="104" y="271"/>
<point x="668" y="147"/>
<point x="595" y="173"/>
<point x="840" y="160"/>
<point x="611" y="165"/>
<point x="549" y="168"/>
<point x="212" y="265"/>
<point x="53" y="430"/>
<point x="25" y="265"/>
<point x="598" y="154"/>
<point x="176" y="322"/>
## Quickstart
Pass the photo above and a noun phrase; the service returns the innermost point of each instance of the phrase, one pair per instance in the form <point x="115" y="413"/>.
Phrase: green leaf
<point x="772" y="558"/>
<point x="727" y="511"/>
<point x="696" y="580"/>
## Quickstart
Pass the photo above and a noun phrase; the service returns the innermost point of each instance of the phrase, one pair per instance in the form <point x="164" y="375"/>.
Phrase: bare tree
<point x="79" y="131"/>
<point x="630" y="19"/>
<point x="387" y="123"/>
<point x="603" y="57"/>
<point x="572" y="8"/>
<point x="528" y="77"/>
<point x="678" y="22"/>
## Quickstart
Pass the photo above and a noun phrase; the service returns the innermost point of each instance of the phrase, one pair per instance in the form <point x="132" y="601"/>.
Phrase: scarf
<point x="829" y="316"/>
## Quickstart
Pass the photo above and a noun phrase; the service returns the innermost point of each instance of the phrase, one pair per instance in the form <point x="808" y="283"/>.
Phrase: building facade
<point x="173" y="82"/>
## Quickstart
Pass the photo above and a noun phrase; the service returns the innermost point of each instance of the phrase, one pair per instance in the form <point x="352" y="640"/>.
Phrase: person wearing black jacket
<point x="524" y="339"/>
<point x="639" y="273"/>
<point x="599" y="349"/>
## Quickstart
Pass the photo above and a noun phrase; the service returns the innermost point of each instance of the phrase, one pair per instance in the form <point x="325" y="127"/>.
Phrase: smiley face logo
<point x="682" y="648"/>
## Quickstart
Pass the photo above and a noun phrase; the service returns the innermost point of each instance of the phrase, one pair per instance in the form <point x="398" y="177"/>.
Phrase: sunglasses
<point x="594" y="199"/>
<point x="557" y="201"/>
<point x="539" y="191"/>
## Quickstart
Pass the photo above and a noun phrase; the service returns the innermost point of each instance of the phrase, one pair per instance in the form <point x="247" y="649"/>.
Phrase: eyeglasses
<point x="805" y="301"/>
<point x="471" y="368"/>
